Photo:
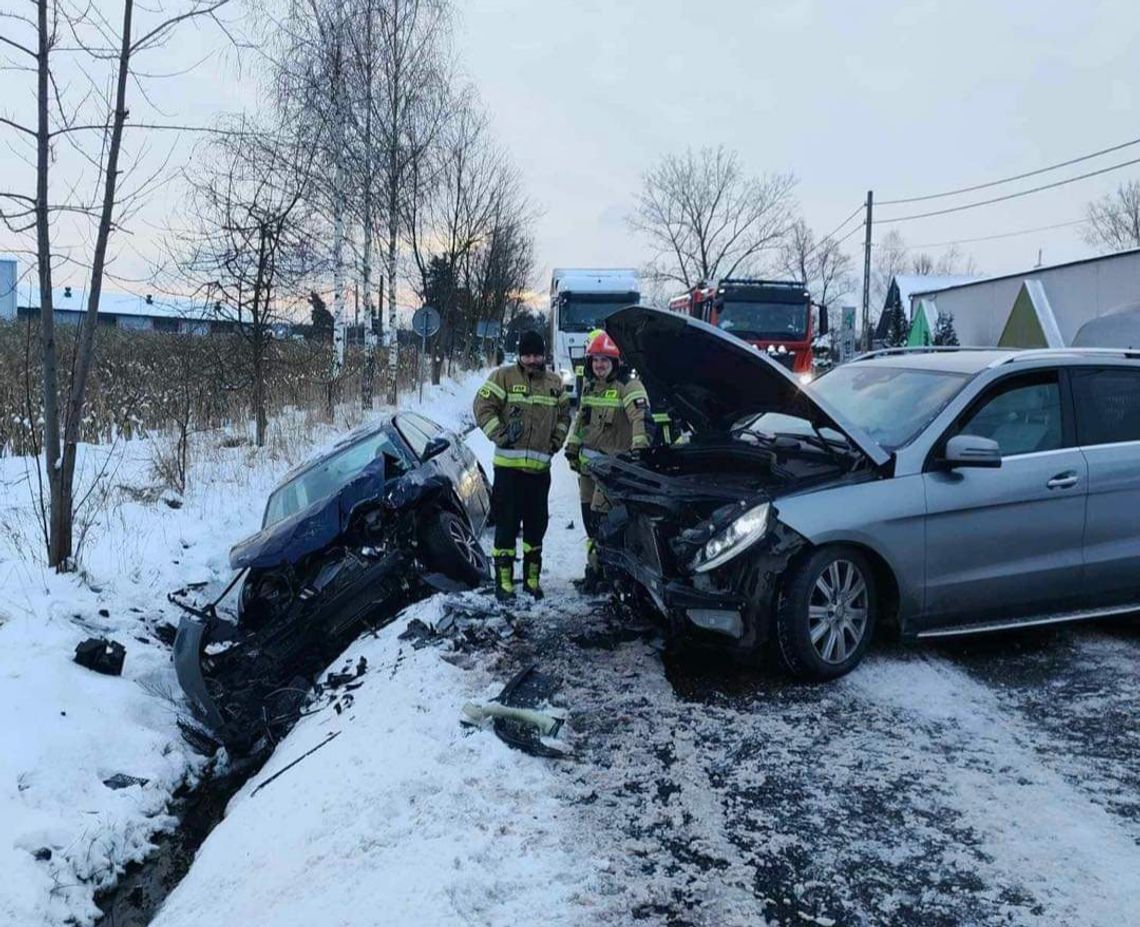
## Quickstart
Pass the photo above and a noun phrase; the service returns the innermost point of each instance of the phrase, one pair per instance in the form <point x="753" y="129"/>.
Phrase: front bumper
<point x="730" y="607"/>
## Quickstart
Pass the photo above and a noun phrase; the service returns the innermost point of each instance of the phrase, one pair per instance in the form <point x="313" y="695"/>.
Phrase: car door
<point x="1006" y="542"/>
<point x="457" y="463"/>
<point x="1107" y="405"/>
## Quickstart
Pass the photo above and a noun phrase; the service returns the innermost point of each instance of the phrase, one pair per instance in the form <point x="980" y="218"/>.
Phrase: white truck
<point x="580" y="300"/>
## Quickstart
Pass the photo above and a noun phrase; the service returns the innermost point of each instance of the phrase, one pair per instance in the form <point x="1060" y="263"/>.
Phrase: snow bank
<point x="404" y="818"/>
<point x="67" y="729"/>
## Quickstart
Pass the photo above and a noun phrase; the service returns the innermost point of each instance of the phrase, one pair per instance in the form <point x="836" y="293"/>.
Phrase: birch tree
<point x="39" y="38"/>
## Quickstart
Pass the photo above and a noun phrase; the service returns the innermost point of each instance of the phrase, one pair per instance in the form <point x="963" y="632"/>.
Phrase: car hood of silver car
<point x="712" y="379"/>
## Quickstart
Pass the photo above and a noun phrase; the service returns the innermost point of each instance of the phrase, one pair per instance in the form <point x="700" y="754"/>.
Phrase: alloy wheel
<point x="464" y="540"/>
<point x="837" y="611"/>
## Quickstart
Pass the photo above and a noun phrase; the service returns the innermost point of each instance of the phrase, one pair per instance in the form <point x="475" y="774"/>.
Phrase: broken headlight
<point x="735" y="539"/>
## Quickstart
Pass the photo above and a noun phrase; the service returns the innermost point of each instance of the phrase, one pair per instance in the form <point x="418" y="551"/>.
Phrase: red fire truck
<point x="774" y="315"/>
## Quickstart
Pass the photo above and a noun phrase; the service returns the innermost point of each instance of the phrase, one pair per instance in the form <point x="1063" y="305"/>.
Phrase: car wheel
<point x="826" y="615"/>
<point x="452" y="548"/>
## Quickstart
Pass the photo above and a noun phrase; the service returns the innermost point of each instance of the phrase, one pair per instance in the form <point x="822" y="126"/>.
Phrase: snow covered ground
<point x="64" y="834"/>
<point x="988" y="782"/>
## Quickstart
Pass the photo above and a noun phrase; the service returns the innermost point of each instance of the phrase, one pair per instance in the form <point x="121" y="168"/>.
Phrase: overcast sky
<point x="906" y="98"/>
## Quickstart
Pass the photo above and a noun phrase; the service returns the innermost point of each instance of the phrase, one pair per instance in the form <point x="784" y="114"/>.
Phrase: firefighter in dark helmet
<point x="612" y="419"/>
<point x="524" y="410"/>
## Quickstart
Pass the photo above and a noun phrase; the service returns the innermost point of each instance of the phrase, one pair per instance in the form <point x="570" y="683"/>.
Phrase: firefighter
<point x="524" y="410"/>
<point x="612" y="419"/>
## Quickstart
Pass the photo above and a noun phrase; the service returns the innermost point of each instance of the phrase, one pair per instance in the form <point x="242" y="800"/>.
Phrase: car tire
<point x="451" y="547"/>
<point x="826" y="614"/>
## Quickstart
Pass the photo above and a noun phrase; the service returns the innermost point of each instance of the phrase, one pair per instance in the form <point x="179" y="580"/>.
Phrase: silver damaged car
<point x="941" y="492"/>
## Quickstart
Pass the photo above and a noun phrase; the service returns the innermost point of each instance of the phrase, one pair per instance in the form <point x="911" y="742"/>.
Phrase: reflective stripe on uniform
<point x="521" y="459"/>
<point x="640" y="441"/>
<point x="492" y="388"/>
<point x="602" y="402"/>
<point x="661" y="417"/>
<point x="633" y="395"/>
<point x="497" y="552"/>
<point x="531" y="548"/>
<point x="492" y="425"/>
<point x="524" y="399"/>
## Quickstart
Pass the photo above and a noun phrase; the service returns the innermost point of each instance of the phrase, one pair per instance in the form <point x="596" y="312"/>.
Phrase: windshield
<point x="891" y="404"/>
<point x="330" y="475"/>
<point x="582" y="315"/>
<point x="764" y="321"/>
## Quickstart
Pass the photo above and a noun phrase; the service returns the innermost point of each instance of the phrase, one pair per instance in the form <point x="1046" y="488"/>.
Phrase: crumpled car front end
<point x="704" y="552"/>
<point x="311" y="584"/>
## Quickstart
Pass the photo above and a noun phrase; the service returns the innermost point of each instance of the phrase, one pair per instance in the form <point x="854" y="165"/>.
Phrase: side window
<point x="416" y="439"/>
<point x="1108" y="405"/>
<point x="1022" y="415"/>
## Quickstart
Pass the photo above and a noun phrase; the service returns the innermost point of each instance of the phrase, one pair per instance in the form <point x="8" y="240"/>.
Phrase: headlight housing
<point x="741" y="534"/>
<point x="806" y="378"/>
<point x="567" y="376"/>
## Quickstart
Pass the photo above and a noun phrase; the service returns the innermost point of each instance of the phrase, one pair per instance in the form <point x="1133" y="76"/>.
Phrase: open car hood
<point x="713" y="379"/>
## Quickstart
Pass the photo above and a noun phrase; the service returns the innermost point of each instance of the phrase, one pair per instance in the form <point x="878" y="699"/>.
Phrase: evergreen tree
<point x="897" y="327"/>
<point x="944" y="333"/>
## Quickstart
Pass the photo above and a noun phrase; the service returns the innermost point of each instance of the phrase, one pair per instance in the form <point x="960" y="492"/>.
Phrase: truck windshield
<point x="764" y="321"/>
<point x="581" y="315"/>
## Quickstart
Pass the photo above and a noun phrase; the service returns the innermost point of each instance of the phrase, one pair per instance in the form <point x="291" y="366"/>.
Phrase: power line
<point x="996" y="183"/>
<point x="1009" y="196"/>
<point x="968" y="241"/>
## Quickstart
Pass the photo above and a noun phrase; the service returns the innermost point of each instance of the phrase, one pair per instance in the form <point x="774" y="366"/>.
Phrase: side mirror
<point x="971" y="451"/>
<point x="435" y="447"/>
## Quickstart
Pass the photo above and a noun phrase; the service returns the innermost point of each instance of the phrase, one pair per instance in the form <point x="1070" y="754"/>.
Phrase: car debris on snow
<point x="101" y="655"/>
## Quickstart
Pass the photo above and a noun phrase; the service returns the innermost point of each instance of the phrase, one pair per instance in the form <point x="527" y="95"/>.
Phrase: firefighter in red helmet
<point x="611" y="419"/>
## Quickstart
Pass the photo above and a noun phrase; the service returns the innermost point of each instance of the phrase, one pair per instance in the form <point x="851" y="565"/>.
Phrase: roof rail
<point x="1032" y="353"/>
<point x="926" y="349"/>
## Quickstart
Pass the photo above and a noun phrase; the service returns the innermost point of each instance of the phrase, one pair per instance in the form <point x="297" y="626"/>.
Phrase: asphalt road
<point x="990" y="781"/>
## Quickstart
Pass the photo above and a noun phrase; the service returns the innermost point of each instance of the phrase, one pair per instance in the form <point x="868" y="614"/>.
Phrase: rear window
<point x="1108" y="405"/>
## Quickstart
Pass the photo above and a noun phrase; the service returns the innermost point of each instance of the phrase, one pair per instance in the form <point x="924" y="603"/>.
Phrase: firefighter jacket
<point x="611" y="417"/>
<point x="525" y="414"/>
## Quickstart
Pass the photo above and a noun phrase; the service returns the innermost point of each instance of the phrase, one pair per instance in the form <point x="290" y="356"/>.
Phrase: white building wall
<point x="1077" y="293"/>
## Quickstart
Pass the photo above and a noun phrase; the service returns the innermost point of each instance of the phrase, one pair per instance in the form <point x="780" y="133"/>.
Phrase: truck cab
<point x="580" y="300"/>
<point x="774" y="315"/>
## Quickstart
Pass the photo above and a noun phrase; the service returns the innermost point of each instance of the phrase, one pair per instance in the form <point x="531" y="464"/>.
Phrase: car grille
<point x="787" y="359"/>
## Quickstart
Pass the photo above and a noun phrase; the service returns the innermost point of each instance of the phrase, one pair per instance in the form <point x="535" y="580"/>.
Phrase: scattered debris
<point x="519" y="725"/>
<point x="101" y="655"/>
<point x="547" y="725"/>
<point x="123" y="781"/>
<point x="42" y="855"/>
<point x="285" y="769"/>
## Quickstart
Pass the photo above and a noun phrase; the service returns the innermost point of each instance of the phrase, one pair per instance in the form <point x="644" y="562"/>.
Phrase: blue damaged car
<point x="388" y="514"/>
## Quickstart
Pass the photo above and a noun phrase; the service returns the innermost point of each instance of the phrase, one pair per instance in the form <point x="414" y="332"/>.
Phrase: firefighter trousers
<point x="519" y="497"/>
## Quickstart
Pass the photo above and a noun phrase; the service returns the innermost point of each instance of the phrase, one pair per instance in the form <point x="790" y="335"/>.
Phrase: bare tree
<point x="413" y="74"/>
<point x="1113" y="221"/>
<point x="821" y="265"/>
<point x="249" y="238"/>
<point x="92" y="125"/>
<point x="706" y="219"/>
<point x="456" y="208"/>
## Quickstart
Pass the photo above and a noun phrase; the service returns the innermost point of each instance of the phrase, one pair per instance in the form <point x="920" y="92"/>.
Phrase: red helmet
<point x="602" y="345"/>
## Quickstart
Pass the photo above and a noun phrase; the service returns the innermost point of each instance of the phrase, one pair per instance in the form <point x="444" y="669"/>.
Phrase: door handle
<point x="1063" y="481"/>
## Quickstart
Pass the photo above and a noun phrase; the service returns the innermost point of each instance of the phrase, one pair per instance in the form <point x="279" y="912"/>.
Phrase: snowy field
<point x="990" y="782"/>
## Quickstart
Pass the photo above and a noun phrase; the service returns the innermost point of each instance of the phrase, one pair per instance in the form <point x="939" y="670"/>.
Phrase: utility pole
<point x="867" y="276"/>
